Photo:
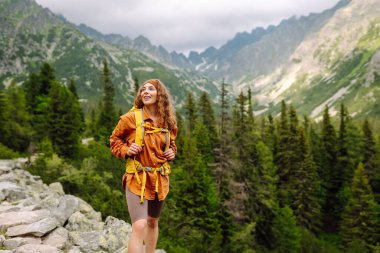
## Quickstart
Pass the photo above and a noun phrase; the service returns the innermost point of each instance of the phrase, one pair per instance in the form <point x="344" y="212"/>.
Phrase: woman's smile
<point x="149" y="94"/>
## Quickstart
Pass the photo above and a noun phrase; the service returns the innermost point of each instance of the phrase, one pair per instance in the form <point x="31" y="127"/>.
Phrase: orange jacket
<point x="124" y="135"/>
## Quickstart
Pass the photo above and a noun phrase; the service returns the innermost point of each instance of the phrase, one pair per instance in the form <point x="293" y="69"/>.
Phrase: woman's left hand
<point x="169" y="154"/>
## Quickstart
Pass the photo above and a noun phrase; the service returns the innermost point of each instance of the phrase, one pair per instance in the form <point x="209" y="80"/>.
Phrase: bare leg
<point x="151" y="235"/>
<point x="139" y="232"/>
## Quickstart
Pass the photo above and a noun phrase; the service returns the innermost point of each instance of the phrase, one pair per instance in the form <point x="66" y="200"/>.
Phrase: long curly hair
<point x="165" y="111"/>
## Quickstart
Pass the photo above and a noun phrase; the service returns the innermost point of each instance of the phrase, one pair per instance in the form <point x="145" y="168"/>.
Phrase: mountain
<point x="249" y="55"/>
<point x="31" y="34"/>
<point x="141" y="44"/>
<point x="311" y="61"/>
<point x="338" y="63"/>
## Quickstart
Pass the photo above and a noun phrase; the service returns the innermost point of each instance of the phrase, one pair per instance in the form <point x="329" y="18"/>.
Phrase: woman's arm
<point x="119" y="147"/>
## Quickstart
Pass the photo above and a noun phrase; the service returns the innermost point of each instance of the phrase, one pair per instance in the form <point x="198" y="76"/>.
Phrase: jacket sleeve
<point x="118" y="145"/>
<point x="173" y="136"/>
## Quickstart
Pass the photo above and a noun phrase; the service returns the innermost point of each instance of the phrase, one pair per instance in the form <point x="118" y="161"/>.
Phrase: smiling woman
<point x="145" y="138"/>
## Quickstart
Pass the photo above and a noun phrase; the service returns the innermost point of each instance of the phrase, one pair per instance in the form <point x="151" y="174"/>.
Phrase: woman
<point x="146" y="181"/>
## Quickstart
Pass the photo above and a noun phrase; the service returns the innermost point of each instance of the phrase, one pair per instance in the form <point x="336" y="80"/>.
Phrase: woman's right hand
<point x="134" y="149"/>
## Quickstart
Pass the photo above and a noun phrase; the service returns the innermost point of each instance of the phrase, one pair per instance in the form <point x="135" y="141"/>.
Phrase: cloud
<point x="182" y="25"/>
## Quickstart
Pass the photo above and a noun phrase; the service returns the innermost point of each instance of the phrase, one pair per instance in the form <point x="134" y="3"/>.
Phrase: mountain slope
<point x="30" y="35"/>
<point x="249" y="55"/>
<point x="339" y="63"/>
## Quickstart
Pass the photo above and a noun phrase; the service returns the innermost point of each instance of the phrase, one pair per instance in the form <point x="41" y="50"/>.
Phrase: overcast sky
<point x="182" y="25"/>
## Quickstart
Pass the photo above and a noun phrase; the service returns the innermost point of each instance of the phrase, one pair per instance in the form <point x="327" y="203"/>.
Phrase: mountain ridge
<point x="32" y="34"/>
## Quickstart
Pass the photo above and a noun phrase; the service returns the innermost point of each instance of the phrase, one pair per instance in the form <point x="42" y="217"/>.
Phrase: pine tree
<point x="261" y="205"/>
<point x="327" y="170"/>
<point x="32" y="88"/>
<point x="46" y="77"/>
<point x="269" y="136"/>
<point x="360" y="216"/>
<point x="190" y="111"/>
<point x="307" y="190"/>
<point x="251" y="119"/>
<point x="370" y="158"/>
<point x="287" y="234"/>
<point x="73" y="88"/>
<point x="107" y="116"/>
<point x="37" y="89"/>
<point x="283" y="157"/>
<point x="344" y="168"/>
<point x="4" y="120"/>
<point x="64" y="120"/>
<point x="222" y="169"/>
<point x="18" y="119"/>
<point x="206" y="113"/>
<point x="136" y="85"/>
<point x="197" y="223"/>
<point x="204" y="144"/>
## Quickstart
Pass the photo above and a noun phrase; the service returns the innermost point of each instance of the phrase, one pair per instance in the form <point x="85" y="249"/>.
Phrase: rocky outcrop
<point x="40" y="218"/>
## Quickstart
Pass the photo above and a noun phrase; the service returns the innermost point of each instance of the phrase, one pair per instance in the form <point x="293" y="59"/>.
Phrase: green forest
<point x="239" y="183"/>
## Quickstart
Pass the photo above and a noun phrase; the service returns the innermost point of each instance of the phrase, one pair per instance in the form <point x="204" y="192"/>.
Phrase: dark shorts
<point x="138" y="211"/>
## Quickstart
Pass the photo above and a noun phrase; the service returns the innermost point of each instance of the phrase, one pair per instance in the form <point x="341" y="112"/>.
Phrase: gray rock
<point x="34" y="248"/>
<point x="14" y="243"/>
<point x="87" y="241"/>
<point x="57" y="187"/>
<point x="88" y="211"/>
<point x="74" y="249"/>
<point x="8" y="208"/>
<point x="79" y="222"/>
<point x="38" y="228"/>
<point x="115" y="235"/>
<point x="67" y="205"/>
<point x="11" y="192"/>
<point x="6" y="251"/>
<point x="11" y="219"/>
<point x="57" y="238"/>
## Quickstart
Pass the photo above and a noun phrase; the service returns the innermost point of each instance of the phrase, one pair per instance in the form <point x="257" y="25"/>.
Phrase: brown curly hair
<point x="165" y="111"/>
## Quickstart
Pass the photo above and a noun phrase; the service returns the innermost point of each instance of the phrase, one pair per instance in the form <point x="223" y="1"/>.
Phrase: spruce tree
<point x="64" y="120"/>
<point x="327" y="170"/>
<point x="46" y="77"/>
<point x="190" y="111"/>
<point x="19" y="119"/>
<point x="136" y="85"/>
<point x="32" y="88"/>
<point x="197" y="220"/>
<point x="283" y="157"/>
<point x="222" y="169"/>
<point x="287" y="234"/>
<point x="206" y="113"/>
<point x="251" y="119"/>
<point x="270" y="135"/>
<point x="307" y="191"/>
<point x="73" y="88"/>
<point x="344" y="168"/>
<point x="107" y="116"/>
<point x="4" y="119"/>
<point x="370" y="155"/>
<point x="261" y="205"/>
<point x="360" y="216"/>
<point x="204" y="144"/>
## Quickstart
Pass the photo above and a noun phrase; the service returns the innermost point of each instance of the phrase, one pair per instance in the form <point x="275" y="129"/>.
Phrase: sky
<point x="182" y="25"/>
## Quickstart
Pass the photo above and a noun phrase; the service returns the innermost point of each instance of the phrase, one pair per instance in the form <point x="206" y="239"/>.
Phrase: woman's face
<point x="148" y="94"/>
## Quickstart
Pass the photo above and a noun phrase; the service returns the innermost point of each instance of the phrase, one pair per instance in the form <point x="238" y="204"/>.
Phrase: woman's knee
<point x="140" y="226"/>
<point x="152" y="222"/>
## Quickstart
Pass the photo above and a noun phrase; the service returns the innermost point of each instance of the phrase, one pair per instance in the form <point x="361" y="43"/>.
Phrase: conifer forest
<point x="239" y="183"/>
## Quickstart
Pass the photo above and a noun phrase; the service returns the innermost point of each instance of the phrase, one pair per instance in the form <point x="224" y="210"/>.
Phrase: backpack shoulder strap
<point x="139" y="139"/>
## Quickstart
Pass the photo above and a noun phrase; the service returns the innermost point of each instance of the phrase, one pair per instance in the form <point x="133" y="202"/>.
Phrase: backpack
<point x="133" y="166"/>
